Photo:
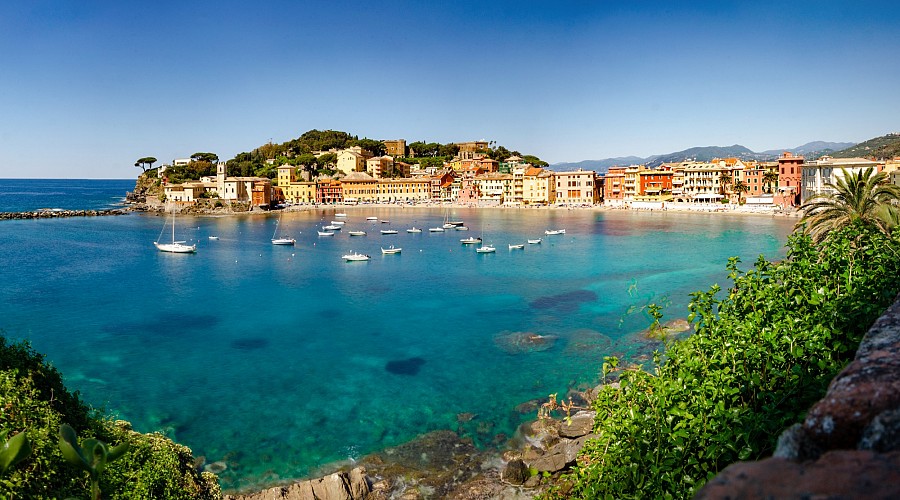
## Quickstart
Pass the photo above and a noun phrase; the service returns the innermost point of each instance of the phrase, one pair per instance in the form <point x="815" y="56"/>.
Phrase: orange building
<point x="329" y="191"/>
<point x="655" y="182"/>
<point x="613" y="186"/>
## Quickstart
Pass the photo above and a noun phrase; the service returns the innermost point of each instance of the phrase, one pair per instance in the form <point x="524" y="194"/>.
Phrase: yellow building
<point x="403" y="189"/>
<point x="380" y="166"/>
<point x="537" y="186"/>
<point x="395" y="147"/>
<point x="494" y="188"/>
<point x="293" y="190"/>
<point x="359" y="187"/>
<point x="351" y="160"/>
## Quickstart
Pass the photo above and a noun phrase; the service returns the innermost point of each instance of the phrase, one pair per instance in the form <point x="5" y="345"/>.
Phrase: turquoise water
<point x="282" y="360"/>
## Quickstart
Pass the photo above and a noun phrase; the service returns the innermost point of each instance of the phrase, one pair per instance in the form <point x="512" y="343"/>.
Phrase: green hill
<point x="884" y="147"/>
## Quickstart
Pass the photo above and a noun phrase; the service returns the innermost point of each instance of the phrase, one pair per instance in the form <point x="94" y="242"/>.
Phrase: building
<point x="654" y="185"/>
<point x="349" y="161"/>
<point x="816" y="175"/>
<point x="703" y="181"/>
<point x="329" y="191"/>
<point x="380" y="166"/>
<point x="403" y="190"/>
<point x="790" y="174"/>
<point x="467" y="150"/>
<point x="395" y="147"/>
<point x="614" y="186"/>
<point x="577" y="187"/>
<point x="359" y="187"/>
<point x="493" y="188"/>
<point x="537" y="186"/>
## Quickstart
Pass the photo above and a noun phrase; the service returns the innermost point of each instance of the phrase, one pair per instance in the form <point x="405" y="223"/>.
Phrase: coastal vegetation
<point x="886" y="146"/>
<point x="35" y="403"/>
<point x="764" y="349"/>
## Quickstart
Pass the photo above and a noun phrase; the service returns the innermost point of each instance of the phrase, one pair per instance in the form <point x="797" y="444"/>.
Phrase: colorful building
<point x="578" y="187"/>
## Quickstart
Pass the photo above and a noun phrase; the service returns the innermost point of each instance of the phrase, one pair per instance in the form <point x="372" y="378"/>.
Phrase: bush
<point x="34" y="399"/>
<point x="758" y="360"/>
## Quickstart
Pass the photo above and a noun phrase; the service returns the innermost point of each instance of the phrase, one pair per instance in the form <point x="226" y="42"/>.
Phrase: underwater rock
<point x="249" y="344"/>
<point x="409" y="366"/>
<point x="524" y="342"/>
<point x="564" y="302"/>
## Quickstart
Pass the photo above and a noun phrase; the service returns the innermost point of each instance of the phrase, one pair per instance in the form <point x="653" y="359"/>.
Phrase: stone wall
<point x="849" y="444"/>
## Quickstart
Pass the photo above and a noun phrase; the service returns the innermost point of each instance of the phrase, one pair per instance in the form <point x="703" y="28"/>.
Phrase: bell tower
<point x="220" y="179"/>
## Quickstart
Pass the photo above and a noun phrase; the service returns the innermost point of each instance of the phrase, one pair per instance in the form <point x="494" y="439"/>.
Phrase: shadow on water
<point x="249" y="344"/>
<point x="163" y="325"/>
<point x="409" y="366"/>
<point x="564" y="302"/>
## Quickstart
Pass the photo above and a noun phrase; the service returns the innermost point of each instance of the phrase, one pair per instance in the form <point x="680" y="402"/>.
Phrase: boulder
<point x="578" y="425"/>
<point x="516" y="472"/>
<point x="560" y="455"/>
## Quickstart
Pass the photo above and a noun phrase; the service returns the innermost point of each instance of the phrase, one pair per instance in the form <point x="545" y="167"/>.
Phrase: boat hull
<point x="175" y="248"/>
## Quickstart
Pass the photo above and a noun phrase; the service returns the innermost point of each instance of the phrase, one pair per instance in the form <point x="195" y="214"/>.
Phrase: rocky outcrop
<point x="352" y="485"/>
<point x="849" y="444"/>
<point x="58" y="213"/>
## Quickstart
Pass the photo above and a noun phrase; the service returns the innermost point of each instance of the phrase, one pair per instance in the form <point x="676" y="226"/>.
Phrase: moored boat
<point x="283" y="241"/>
<point x="175" y="246"/>
<point x="357" y="233"/>
<point x="341" y="214"/>
<point x="371" y="218"/>
<point x="413" y="230"/>
<point x="555" y="231"/>
<point x="213" y="237"/>
<point x="534" y="242"/>
<point x="470" y="241"/>
<point x="516" y="246"/>
<point x="435" y="230"/>
<point x="462" y="228"/>
<point x="391" y="250"/>
<point x="354" y="257"/>
<point x="325" y="233"/>
<point x="388" y="231"/>
<point x="338" y="223"/>
<point x="485" y="249"/>
<point x="332" y="228"/>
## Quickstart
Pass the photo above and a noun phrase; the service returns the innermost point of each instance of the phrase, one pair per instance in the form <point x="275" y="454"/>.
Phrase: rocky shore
<point x="60" y="213"/>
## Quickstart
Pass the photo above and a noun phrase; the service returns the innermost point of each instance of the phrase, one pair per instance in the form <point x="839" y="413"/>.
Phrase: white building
<point x="827" y="170"/>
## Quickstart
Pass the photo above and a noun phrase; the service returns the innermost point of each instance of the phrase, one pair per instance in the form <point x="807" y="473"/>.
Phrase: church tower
<point x="220" y="179"/>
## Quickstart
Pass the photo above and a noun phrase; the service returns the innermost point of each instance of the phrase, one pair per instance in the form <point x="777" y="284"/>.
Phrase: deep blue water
<point x="21" y="195"/>
<point x="280" y="360"/>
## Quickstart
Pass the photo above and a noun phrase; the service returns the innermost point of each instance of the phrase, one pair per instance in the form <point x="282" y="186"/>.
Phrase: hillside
<point x="884" y="147"/>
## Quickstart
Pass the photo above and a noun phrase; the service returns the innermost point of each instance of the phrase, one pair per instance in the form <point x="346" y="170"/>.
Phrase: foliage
<point x="760" y="356"/>
<point x="856" y="196"/>
<point x="145" y="163"/>
<point x="207" y="157"/>
<point x="92" y="456"/>
<point x="886" y="146"/>
<point x="14" y="450"/>
<point x="33" y="397"/>
<point x="191" y="172"/>
<point x="377" y="148"/>
<point x="535" y="161"/>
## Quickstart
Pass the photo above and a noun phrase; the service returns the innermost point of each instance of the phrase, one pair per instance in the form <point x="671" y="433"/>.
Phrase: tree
<point x="377" y="148"/>
<point x="855" y="196"/>
<point x="449" y="149"/>
<point x="147" y="160"/>
<point x="326" y="160"/>
<point x="725" y="179"/>
<point x="535" y="161"/>
<point x="740" y="188"/>
<point x="208" y="157"/>
<point x="305" y="159"/>
<point x="769" y="179"/>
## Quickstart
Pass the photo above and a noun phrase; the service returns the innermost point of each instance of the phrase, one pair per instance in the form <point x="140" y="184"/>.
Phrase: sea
<point x="283" y="361"/>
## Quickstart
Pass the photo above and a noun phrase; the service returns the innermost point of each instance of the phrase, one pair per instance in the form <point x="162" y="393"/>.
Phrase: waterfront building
<point x="395" y="147"/>
<point x="359" y="187"/>
<point x="292" y="188"/>
<point x="703" y="181"/>
<point x="654" y="185"/>
<point x="630" y="183"/>
<point x="537" y="186"/>
<point x="790" y="173"/>
<point x="350" y="161"/>
<point x="827" y="170"/>
<point x="493" y="188"/>
<point x="579" y="187"/>
<point x="467" y="192"/>
<point x="329" y="191"/>
<point x="403" y="189"/>
<point x="380" y="166"/>
<point x="614" y="186"/>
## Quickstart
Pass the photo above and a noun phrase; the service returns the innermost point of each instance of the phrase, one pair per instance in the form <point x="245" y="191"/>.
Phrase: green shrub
<point x="33" y="397"/>
<point x="760" y="357"/>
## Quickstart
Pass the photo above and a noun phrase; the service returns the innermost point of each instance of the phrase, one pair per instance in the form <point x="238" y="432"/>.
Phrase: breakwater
<point x="60" y="213"/>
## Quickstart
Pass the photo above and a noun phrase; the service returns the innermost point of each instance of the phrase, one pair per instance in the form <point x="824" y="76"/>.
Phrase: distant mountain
<point x="886" y="146"/>
<point x="707" y="153"/>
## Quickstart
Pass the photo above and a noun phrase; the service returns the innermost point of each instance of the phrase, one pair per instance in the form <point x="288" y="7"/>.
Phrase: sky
<point x="87" y="88"/>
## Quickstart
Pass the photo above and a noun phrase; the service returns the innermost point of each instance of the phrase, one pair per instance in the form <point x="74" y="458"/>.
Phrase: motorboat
<point x="456" y="223"/>
<point x="555" y="231"/>
<point x="385" y="221"/>
<point x="332" y="228"/>
<point x="283" y="241"/>
<point x="340" y="214"/>
<point x="486" y="249"/>
<point x="371" y="218"/>
<point x="435" y="230"/>
<point x="389" y="231"/>
<point x="462" y="228"/>
<point x="448" y="226"/>
<point x="357" y="233"/>
<point x="413" y="230"/>
<point x="516" y="247"/>
<point x="391" y="250"/>
<point x="354" y="257"/>
<point x="534" y="242"/>
<point x="338" y="222"/>
<point x="470" y="241"/>
<point x="325" y="233"/>
<point x="214" y="237"/>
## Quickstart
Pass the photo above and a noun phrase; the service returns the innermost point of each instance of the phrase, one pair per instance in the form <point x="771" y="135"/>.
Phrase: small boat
<point x="353" y="257"/>
<point x="470" y="241"/>
<point x="555" y="231"/>
<point x="332" y="228"/>
<point x="462" y="228"/>
<point x="448" y="226"/>
<point x="388" y="231"/>
<point x="283" y="241"/>
<point x="325" y="233"/>
<point x="456" y="223"/>
<point x="338" y="222"/>
<point x="413" y="230"/>
<point x="534" y="242"/>
<point x="213" y="237"/>
<point x="357" y="233"/>
<point x="486" y="249"/>
<point x="391" y="250"/>
<point x="385" y="222"/>
<point x="340" y="215"/>
<point x="435" y="230"/>
<point x="371" y="218"/>
<point x="516" y="247"/>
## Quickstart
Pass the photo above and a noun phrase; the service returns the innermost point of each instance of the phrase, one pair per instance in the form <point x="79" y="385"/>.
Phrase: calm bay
<point x="282" y="360"/>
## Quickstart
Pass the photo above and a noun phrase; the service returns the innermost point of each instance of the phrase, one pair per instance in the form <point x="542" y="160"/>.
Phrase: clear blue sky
<point x="86" y="88"/>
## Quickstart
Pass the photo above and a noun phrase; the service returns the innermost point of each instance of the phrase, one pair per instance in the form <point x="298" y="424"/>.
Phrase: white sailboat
<point x="175" y="246"/>
<point x="283" y="240"/>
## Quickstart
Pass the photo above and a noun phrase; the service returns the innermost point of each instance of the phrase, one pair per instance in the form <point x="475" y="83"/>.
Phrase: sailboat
<point x="175" y="246"/>
<point x="284" y="240"/>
